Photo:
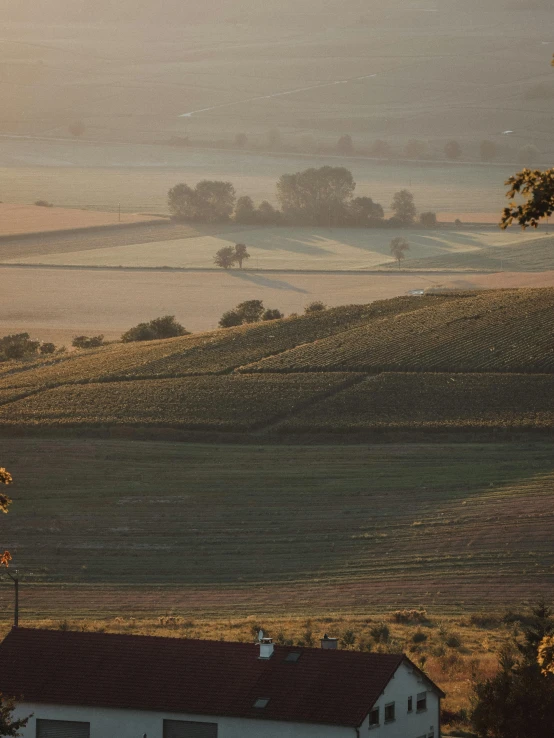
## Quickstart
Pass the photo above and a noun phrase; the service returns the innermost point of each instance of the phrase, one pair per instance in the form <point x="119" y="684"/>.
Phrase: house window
<point x="62" y="729"/>
<point x="261" y="702"/>
<point x="389" y="712"/>
<point x="410" y="704"/>
<point x="374" y="717"/>
<point x="421" y="701"/>
<point x="189" y="729"/>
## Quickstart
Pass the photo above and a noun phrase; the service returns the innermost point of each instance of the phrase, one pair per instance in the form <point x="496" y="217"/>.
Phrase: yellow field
<point x="17" y="219"/>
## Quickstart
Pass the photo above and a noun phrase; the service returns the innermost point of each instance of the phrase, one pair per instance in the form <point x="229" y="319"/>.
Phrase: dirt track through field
<point x="56" y="304"/>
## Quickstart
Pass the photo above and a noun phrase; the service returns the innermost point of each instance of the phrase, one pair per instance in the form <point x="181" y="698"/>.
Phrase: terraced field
<point x="452" y="362"/>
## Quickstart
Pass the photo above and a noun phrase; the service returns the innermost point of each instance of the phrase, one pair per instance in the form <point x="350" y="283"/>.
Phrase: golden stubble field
<point x="55" y="304"/>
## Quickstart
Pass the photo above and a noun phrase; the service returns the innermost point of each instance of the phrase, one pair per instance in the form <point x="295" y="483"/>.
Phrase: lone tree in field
<point x="241" y="254"/>
<point x="398" y="246"/>
<point x="452" y="150"/>
<point x="225" y="257"/>
<point x="404" y="207"/>
<point x="518" y="702"/>
<point x="538" y="189"/>
<point x="164" y="327"/>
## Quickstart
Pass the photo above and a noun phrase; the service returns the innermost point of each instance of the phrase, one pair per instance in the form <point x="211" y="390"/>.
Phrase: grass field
<point x="333" y="249"/>
<point x="120" y="527"/>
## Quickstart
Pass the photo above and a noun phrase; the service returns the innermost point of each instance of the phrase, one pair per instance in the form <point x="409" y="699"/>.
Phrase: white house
<point x="98" y="685"/>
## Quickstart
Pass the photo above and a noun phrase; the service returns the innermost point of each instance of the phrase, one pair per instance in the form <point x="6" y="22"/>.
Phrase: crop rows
<point x="434" y="402"/>
<point x="238" y="402"/>
<point x="504" y="331"/>
<point x="204" y="353"/>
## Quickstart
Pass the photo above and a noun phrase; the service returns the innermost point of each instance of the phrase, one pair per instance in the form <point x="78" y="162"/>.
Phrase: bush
<point x="87" y="342"/>
<point x="164" y="327"/>
<point x="453" y="640"/>
<point x="419" y="637"/>
<point x="315" y="307"/>
<point x="44" y="204"/>
<point x="230" y="319"/>
<point x="17" y="346"/>
<point x="272" y="314"/>
<point x="380" y="633"/>
<point x="348" y="638"/>
<point x="47" y="348"/>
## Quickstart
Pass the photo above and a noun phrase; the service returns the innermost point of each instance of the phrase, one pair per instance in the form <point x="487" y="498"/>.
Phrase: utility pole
<point x="15" y="579"/>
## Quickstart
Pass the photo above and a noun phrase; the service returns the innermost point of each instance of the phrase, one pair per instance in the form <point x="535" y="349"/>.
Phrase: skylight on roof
<point x="293" y="656"/>
<point x="261" y="702"/>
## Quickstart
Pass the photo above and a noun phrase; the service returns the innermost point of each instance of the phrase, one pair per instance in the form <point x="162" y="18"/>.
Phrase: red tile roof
<point x="192" y="676"/>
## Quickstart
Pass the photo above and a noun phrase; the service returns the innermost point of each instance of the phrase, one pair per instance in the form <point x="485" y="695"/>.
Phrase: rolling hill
<point x="453" y="362"/>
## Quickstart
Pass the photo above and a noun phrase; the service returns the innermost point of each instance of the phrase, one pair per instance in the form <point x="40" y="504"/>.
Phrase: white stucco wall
<point x="108" y="723"/>
<point x="404" y="684"/>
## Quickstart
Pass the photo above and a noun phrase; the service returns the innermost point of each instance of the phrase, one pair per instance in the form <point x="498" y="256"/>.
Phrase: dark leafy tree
<point x="209" y="202"/>
<point x="241" y="254"/>
<point x="404" y="207"/>
<point x="164" y="327"/>
<point x="538" y="189"/>
<point x="398" y="247"/>
<point x="488" y="151"/>
<point x="518" y="702"/>
<point x="316" y="196"/>
<point x="245" y="211"/>
<point x="272" y="314"/>
<point x="250" y="311"/>
<point x="428" y="219"/>
<point x="364" y="211"/>
<point x="47" y="348"/>
<point x="452" y="150"/>
<point x="345" y="145"/>
<point x="225" y="257"/>
<point x="230" y="319"/>
<point x="87" y="342"/>
<point x="17" y="346"/>
<point x="266" y="214"/>
<point x="315" y="307"/>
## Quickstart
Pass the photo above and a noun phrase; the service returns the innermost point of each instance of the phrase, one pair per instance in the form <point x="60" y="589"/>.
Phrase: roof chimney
<point x="266" y="646"/>
<point x="328" y="644"/>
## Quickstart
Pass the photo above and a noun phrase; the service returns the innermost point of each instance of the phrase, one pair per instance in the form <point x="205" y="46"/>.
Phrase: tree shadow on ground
<point x="263" y="281"/>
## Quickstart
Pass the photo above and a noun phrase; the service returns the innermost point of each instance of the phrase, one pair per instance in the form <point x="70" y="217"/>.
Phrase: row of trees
<point x="323" y="196"/>
<point x="414" y="149"/>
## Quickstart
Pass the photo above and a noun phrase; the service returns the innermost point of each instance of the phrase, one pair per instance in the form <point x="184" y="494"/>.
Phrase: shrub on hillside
<point x="315" y="307"/>
<point x="164" y="327"/>
<point x="17" y="346"/>
<point x="87" y="342"/>
<point x="44" y="204"/>
<point x="409" y="616"/>
<point x="250" y="311"/>
<point x="47" y="348"/>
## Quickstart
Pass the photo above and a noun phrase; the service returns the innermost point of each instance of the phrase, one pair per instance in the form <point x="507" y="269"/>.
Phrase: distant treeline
<point x="317" y="197"/>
